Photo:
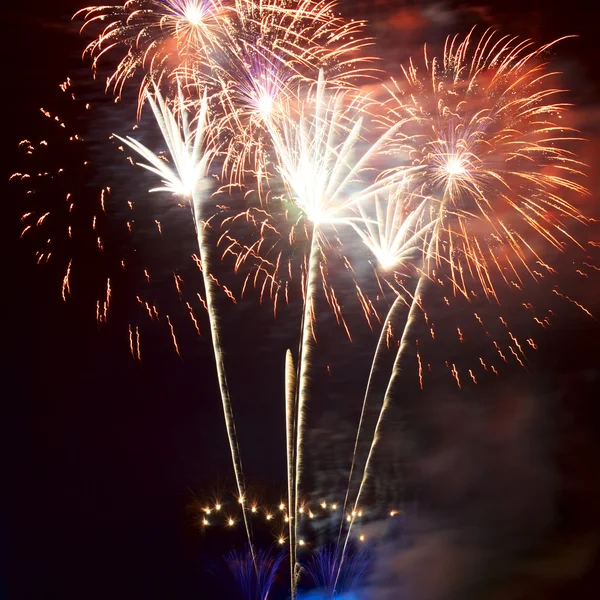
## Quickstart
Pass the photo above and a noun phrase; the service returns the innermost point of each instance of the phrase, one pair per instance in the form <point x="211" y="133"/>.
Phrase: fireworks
<point x="192" y="153"/>
<point x="491" y="162"/>
<point x="396" y="233"/>
<point x="156" y="36"/>
<point x="270" y="47"/>
<point x="191" y="150"/>
<point x="254" y="574"/>
<point x="320" y="163"/>
<point x="324" y="566"/>
<point x="484" y="127"/>
<point x="469" y="180"/>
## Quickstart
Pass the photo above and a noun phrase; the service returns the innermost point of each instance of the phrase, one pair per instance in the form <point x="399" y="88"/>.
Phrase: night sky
<point x="103" y="455"/>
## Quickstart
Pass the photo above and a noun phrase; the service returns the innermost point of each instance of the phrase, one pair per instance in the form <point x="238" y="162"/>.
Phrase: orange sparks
<point x="516" y="356"/>
<point x="500" y="351"/>
<point x="516" y="342"/>
<point x="137" y="343"/>
<point x="147" y="275"/>
<point x="455" y="375"/>
<point x="229" y="294"/>
<point x="178" y="281"/>
<point x="134" y="343"/>
<point x="389" y="335"/>
<point x="145" y="305"/>
<point x="66" y="286"/>
<point x="420" y="370"/>
<point x="203" y="302"/>
<point x="473" y="377"/>
<point x="42" y="219"/>
<point x="107" y="301"/>
<point x="131" y="342"/>
<point x="173" y="336"/>
<point x="193" y="317"/>
<point x="577" y="304"/>
<point x="158" y="225"/>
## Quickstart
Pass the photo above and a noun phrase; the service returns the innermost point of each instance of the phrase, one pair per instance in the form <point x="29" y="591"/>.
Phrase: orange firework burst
<point x="481" y="137"/>
<point x="268" y="47"/>
<point x="156" y="36"/>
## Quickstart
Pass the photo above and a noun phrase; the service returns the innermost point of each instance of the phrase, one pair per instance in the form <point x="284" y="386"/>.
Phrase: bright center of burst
<point x="194" y="13"/>
<point x="454" y="167"/>
<point x="265" y="104"/>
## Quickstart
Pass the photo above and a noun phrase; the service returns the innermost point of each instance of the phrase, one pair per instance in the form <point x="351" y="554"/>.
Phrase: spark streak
<point x="192" y="153"/>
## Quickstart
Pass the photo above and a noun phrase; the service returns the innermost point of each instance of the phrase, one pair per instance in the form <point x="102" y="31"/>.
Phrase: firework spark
<point x="192" y="151"/>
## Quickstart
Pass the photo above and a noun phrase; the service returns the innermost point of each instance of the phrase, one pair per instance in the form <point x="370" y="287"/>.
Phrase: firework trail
<point x="480" y="127"/>
<point x="394" y="237"/>
<point x="192" y="153"/>
<point x="290" y="392"/>
<point x="323" y="169"/>
<point x="387" y="398"/>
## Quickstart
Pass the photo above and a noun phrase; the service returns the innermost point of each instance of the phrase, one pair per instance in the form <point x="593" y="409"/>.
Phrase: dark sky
<point x="101" y="454"/>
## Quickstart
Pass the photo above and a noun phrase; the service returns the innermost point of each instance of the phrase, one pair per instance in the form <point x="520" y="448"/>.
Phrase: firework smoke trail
<point x="393" y="238"/>
<point x="192" y="154"/>
<point x="306" y="329"/>
<point x="290" y="392"/>
<point x="410" y="321"/>
<point x="316" y="146"/>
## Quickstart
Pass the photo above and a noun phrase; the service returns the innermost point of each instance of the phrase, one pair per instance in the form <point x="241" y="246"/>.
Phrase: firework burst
<point x="269" y="47"/>
<point x="155" y="36"/>
<point x="192" y="151"/>
<point x="495" y="161"/>
<point x="487" y="158"/>
<point x="326" y="175"/>
<point x="254" y="574"/>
